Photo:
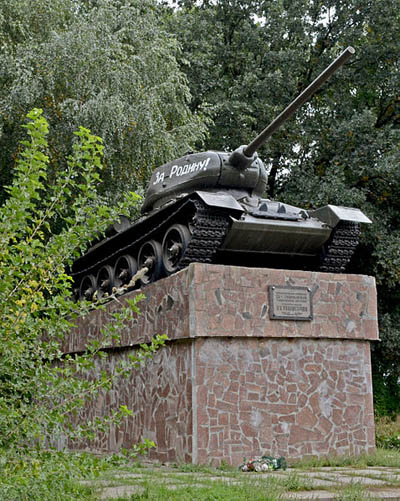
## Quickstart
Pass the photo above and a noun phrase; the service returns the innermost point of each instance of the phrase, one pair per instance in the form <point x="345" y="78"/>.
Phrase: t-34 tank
<point x="209" y="207"/>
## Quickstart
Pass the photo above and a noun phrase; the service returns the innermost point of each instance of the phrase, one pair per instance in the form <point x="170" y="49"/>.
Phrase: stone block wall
<point x="231" y="382"/>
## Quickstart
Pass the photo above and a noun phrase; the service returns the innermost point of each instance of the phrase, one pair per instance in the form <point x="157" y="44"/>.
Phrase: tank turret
<point x="241" y="169"/>
<point x="209" y="207"/>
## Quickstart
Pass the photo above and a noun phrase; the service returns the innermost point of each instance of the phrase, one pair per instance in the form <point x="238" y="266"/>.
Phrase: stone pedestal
<point x="233" y="383"/>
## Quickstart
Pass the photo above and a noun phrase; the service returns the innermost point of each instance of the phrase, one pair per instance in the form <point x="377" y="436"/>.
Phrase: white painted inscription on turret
<point x="290" y="303"/>
<point x="182" y="170"/>
<point x="159" y="177"/>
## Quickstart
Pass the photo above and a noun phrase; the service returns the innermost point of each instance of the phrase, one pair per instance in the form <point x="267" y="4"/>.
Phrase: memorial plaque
<point x="290" y="303"/>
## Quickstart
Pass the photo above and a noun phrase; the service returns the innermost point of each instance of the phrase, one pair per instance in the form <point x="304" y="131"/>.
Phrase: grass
<point x="216" y="491"/>
<point x="60" y="476"/>
<point x="193" y="468"/>
<point x="202" y="482"/>
<point x="387" y="426"/>
<point x="354" y="492"/>
<point x="196" y="482"/>
<point x="43" y="476"/>
<point x="387" y="431"/>
<point x="382" y="457"/>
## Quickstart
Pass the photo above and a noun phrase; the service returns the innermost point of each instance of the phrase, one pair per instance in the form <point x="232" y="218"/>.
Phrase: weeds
<point x="193" y="468"/>
<point x="215" y="491"/>
<point x="380" y="458"/>
<point x="48" y="475"/>
<point x="293" y="482"/>
<point x="354" y="492"/>
<point x="387" y="432"/>
<point x="60" y="476"/>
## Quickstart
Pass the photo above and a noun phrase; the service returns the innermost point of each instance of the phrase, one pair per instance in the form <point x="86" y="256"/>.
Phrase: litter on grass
<point x="264" y="463"/>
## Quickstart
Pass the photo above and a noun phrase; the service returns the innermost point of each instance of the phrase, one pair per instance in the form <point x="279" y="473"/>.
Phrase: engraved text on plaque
<point x="290" y="303"/>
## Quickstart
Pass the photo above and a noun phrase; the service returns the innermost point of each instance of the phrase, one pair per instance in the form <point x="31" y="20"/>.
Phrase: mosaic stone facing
<point x="233" y="383"/>
<point x="286" y="397"/>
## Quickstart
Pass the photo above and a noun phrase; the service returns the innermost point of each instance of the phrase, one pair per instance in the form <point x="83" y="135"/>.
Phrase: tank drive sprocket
<point x="340" y="248"/>
<point x="209" y="229"/>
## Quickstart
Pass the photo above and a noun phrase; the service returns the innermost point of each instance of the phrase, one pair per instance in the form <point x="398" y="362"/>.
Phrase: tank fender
<point x="333" y="214"/>
<point x="120" y="225"/>
<point x="219" y="199"/>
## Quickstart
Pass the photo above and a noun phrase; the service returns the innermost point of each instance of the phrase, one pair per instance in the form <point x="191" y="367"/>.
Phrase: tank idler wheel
<point x="124" y="269"/>
<point x="174" y="245"/>
<point x="150" y="256"/>
<point x="105" y="281"/>
<point x="87" y="287"/>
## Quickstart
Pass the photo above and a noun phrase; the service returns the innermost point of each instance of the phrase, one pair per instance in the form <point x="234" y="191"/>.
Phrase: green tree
<point x="40" y="389"/>
<point x="247" y="59"/>
<point x="107" y="65"/>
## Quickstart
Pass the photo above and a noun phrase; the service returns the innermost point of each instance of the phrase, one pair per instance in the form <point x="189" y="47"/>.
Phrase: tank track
<point x="131" y="245"/>
<point x="340" y="248"/>
<point x="209" y="228"/>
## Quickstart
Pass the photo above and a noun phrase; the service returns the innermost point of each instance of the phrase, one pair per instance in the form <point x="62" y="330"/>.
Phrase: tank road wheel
<point x="105" y="280"/>
<point x="124" y="269"/>
<point x="87" y="287"/>
<point x="150" y="256"/>
<point x="174" y="245"/>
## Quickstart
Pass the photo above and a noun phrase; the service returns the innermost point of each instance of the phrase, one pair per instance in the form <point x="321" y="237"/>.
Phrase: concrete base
<point x="231" y="383"/>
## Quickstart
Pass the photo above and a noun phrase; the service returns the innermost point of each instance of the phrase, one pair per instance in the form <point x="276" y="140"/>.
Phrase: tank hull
<point x="217" y="227"/>
<point x="254" y="235"/>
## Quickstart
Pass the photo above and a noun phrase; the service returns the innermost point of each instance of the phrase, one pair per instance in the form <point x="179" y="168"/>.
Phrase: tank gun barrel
<point x="300" y="99"/>
<point x="257" y="142"/>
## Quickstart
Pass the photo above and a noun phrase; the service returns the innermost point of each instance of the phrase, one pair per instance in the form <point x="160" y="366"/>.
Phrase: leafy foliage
<point x="388" y="433"/>
<point x="47" y="475"/>
<point x="40" y="389"/>
<point x="247" y="59"/>
<point x="56" y="475"/>
<point x="106" y="65"/>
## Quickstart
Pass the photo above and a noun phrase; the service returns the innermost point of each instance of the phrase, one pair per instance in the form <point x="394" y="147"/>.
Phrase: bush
<point x="387" y="431"/>
<point x="44" y="225"/>
<point x="45" y="475"/>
